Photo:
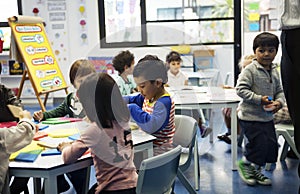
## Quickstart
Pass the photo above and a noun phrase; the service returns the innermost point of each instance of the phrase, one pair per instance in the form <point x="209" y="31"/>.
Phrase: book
<point x="50" y="152"/>
<point x="30" y="156"/>
<point x="31" y="147"/>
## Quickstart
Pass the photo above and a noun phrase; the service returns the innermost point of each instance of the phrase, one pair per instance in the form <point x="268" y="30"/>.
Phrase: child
<point x="153" y="108"/>
<point x="246" y="60"/>
<point x="124" y="63"/>
<point x="176" y="78"/>
<point x="260" y="88"/>
<point x="7" y="96"/>
<point x="108" y="137"/>
<point x="71" y="107"/>
<point x="11" y="140"/>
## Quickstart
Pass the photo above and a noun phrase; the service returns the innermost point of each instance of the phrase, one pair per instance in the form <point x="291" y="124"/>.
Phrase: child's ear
<point x="159" y="82"/>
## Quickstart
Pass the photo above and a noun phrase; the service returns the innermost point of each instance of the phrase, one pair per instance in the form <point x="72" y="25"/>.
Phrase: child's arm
<point x="60" y="111"/>
<point x="15" y="138"/>
<point x="72" y="151"/>
<point x="136" y="99"/>
<point x="156" y="121"/>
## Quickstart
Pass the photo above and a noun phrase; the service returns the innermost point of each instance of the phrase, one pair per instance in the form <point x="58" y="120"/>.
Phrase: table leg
<point x="234" y="139"/>
<point x="50" y="186"/>
<point x="37" y="185"/>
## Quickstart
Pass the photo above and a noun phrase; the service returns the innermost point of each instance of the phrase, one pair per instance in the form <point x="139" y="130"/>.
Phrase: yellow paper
<point x="31" y="147"/>
<point x="133" y="126"/>
<point x="59" y="133"/>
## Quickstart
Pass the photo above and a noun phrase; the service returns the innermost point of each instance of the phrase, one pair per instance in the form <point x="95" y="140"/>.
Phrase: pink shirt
<point x="112" y="152"/>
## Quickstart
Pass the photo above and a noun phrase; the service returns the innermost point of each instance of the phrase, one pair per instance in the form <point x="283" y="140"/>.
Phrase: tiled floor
<point x="216" y="176"/>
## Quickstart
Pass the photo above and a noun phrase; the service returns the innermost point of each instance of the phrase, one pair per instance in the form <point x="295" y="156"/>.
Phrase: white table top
<point x="48" y="162"/>
<point x="197" y="95"/>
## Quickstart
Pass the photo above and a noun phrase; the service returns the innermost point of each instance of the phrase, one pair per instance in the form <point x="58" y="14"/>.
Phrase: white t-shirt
<point x="176" y="80"/>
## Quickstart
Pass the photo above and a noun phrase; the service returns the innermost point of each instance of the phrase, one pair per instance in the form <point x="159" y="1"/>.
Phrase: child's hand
<point x="38" y="115"/>
<point x="24" y="115"/>
<point x="265" y="100"/>
<point x="63" y="145"/>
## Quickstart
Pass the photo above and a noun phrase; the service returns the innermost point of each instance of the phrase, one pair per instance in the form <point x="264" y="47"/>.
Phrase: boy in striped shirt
<point x="153" y="108"/>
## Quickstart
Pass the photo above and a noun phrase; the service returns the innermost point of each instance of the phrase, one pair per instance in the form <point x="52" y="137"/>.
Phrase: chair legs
<point x="196" y="165"/>
<point x="185" y="181"/>
<point x="183" y="178"/>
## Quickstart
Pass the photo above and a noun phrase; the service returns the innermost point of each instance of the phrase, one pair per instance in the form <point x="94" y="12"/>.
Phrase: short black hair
<point x="265" y="39"/>
<point x="151" y="70"/>
<point x="149" y="57"/>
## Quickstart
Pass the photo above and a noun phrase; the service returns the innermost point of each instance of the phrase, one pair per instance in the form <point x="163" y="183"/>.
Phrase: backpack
<point x="7" y="96"/>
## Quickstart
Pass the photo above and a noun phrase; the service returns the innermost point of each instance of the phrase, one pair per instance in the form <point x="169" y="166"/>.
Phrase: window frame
<point x="5" y="24"/>
<point x="144" y="22"/>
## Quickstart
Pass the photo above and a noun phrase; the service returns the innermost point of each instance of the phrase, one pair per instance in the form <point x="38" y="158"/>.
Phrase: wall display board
<point x="30" y="42"/>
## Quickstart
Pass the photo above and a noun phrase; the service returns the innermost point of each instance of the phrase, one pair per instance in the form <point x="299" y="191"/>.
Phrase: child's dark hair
<point x="80" y="68"/>
<point x="151" y="70"/>
<point x="102" y="101"/>
<point x="265" y="39"/>
<point x="173" y="56"/>
<point x="149" y="57"/>
<point x="124" y="58"/>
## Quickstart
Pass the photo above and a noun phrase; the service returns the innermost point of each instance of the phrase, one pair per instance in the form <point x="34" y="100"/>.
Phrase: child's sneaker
<point x="205" y="131"/>
<point x="260" y="178"/>
<point x="246" y="172"/>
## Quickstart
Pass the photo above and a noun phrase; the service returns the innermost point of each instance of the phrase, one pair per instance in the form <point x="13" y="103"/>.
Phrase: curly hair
<point x="124" y="58"/>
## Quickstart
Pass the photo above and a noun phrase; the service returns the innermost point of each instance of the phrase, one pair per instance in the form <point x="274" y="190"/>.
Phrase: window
<point x="120" y="23"/>
<point x="7" y="9"/>
<point x="127" y="23"/>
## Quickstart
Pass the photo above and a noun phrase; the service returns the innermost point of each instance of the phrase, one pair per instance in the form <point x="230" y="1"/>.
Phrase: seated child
<point x="108" y="137"/>
<point x="11" y="140"/>
<point x="153" y="108"/>
<point x="176" y="78"/>
<point x="124" y="63"/>
<point x="70" y="107"/>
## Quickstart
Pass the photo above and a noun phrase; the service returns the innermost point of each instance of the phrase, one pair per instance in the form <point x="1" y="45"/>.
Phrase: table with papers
<point x="49" y="167"/>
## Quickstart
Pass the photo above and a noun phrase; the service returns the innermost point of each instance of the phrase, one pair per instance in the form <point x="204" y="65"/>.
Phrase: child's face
<point x="265" y="55"/>
<point x="146" y="88"/>
<point x="174" y="67"/>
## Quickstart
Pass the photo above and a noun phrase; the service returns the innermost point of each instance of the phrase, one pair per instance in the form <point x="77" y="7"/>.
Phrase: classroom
<point x="210" y="37"/>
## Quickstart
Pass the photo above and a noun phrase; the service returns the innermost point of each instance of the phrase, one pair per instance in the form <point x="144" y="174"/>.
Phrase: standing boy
<point x="260" y="88"/>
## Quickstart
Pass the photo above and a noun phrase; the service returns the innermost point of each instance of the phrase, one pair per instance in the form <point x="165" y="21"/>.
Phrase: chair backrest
<point x="157" y="174"/>
<point x="185" y="130"/>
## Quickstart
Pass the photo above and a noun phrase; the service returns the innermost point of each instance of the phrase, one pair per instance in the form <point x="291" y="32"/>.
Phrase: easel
<point x="38" y="95"/>
<point x="30" y="45"/>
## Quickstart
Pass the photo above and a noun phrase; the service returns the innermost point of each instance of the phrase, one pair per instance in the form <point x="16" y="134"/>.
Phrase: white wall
<point x="75" y="48"/>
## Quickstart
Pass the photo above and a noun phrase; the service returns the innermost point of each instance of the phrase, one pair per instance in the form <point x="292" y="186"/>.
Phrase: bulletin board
<point x="31" y="44"/>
